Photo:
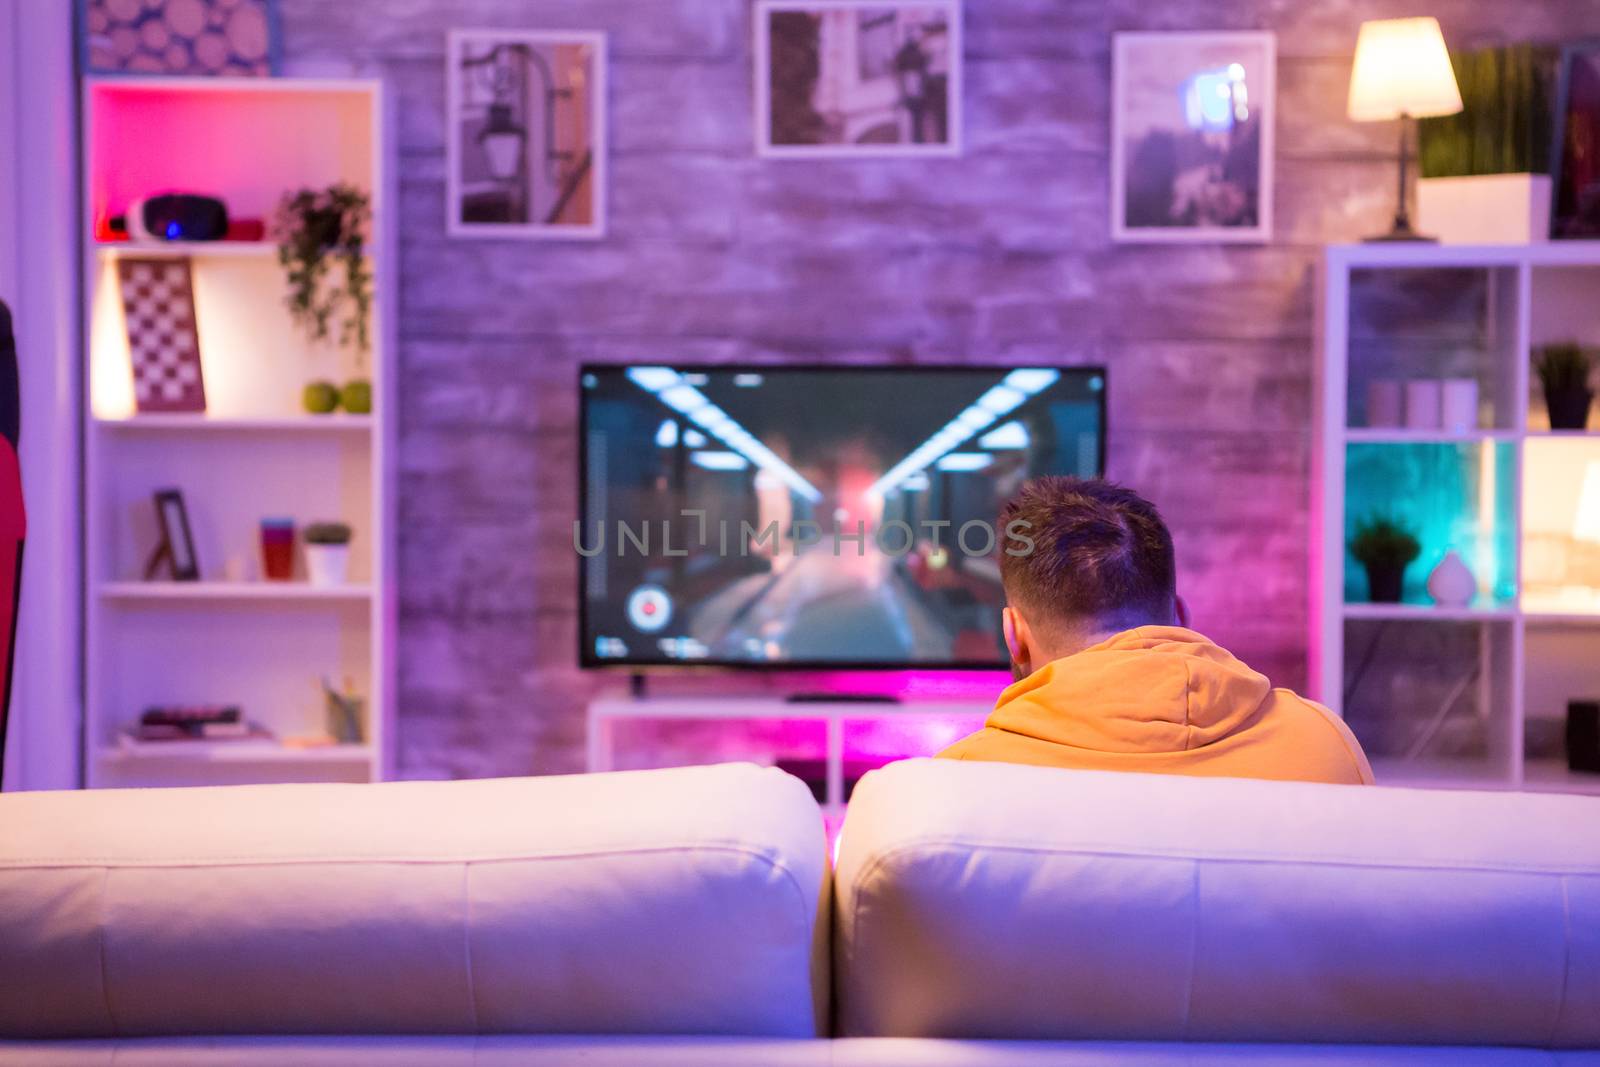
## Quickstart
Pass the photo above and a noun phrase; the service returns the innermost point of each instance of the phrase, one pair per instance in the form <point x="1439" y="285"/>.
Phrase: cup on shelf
<point x="1385" y="404"/>
<point x="1458" y="404"/>
<point x="1424" y="401"/>
<point x="277" y="549"/>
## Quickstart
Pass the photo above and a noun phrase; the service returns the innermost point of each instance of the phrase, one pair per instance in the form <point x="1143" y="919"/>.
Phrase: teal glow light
<point x="1441" y="493"/>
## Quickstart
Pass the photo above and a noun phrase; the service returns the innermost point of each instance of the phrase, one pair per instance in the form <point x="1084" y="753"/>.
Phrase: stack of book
<point x="201" y="723"/>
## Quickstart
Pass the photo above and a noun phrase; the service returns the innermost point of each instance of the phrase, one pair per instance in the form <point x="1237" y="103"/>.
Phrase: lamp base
<point x="1402" y="232"/>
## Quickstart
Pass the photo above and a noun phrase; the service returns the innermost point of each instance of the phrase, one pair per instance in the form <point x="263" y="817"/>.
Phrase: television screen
<point x="813" y="517"/>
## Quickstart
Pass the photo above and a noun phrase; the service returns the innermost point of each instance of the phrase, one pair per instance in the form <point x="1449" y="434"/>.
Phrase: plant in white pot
<point x="327" y="553"/>
<point x="1486" y="169"/>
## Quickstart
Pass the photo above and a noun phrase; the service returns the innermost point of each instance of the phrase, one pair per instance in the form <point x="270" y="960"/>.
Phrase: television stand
<point x="916" y="727"/>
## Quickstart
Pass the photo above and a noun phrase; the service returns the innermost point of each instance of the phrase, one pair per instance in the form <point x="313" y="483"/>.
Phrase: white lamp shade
<point x="1402" y="68"/>
<point x="1586" y="525"/>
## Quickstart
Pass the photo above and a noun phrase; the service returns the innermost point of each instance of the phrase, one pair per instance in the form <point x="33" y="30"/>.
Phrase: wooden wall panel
<point x="713" y="255"/>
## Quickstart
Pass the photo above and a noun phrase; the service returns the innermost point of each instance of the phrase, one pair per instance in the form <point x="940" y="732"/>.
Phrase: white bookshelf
<point x="233" y="638"/>
<point x="1502" y="493"/>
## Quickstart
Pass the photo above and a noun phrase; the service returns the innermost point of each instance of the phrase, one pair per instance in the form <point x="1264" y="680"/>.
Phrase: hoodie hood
<point x="1152" y="689"/>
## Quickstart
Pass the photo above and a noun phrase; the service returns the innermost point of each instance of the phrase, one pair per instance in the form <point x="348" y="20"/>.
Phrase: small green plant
<point x="1506" y="119"/>
<point x="1564" y="366"/>
<point x="1384" y="543"/>
<point x="314" y="227"/>
<point x="327" y="533"/>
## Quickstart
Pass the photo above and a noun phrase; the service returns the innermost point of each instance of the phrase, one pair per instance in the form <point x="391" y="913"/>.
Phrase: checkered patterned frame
<point x="158" y="304"/>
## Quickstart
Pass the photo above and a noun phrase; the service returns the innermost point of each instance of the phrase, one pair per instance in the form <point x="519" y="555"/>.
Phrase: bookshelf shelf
<point x="1455" y="697"/>
<point x="1415" y="437"/>
<point x="161" y="591"/>
<point x="265" y="751"/>
<point x="179" y="249"/>
<point x="253" y="454"/>
<point x="288" y="424"/>
<point x="1430" y="612"/>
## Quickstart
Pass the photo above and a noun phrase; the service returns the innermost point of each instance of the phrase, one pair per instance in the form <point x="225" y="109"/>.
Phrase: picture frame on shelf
<point x="526" y="145"/>
<point x="1192" y="117"/>
<point x="225" y="38"/>
<point x="1575" y="199"/>
<point x="854" y="78"/>
<point x="158" y="312"/>
<point x="176" y="548"/>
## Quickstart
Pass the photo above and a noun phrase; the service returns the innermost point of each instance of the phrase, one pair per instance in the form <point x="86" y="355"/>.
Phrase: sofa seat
<point x="656" y="902"/>
<point x="985" y="900"/>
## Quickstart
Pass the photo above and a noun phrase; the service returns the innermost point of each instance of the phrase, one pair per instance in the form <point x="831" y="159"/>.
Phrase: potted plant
<point x="1564" y="372"/>
<point x="1385" y="547"/>
<point x="1486" y="169"/>
<point x="318" y="229"/>
<point x="327" y="553"/>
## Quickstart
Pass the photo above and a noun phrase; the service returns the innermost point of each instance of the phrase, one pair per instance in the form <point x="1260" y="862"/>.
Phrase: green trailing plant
<point x="315" y="229"/>
<point x="1384" y="543"/>
<point x="1564" y="367"/>
<point x="1505" y="122"/>
<point x="327" y="533"/>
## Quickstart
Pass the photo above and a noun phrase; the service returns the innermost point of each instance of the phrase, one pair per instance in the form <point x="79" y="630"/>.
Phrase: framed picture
<point x="526" y="134"/>
<point x="233" y="38"/>
<point x="1575" y="161"/>
<point x="177" y="542"/>
<point x="163" y="338"/>
<point x="1191" y="136"/>
<point x="857" y="78"/>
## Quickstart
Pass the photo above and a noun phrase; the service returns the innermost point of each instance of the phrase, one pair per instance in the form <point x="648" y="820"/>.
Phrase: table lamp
<point x="1402" y="71"/>
<point x="1586" y="523"/>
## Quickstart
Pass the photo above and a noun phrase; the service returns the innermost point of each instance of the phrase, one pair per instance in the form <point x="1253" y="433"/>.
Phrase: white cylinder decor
<point x="1385" y="404"/>
<point x="1458" y="405"/>
<point x="327" y="565"/>
<point x="1424" y="397"/>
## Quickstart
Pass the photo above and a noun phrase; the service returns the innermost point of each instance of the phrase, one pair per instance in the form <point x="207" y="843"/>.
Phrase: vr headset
<point x="174" y="217"/>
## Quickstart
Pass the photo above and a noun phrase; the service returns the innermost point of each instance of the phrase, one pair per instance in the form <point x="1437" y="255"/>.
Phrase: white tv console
<point x="964" y="715"/>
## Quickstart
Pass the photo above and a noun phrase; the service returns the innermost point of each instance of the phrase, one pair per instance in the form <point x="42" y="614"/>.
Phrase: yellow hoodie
<point x="1164" y="700"/>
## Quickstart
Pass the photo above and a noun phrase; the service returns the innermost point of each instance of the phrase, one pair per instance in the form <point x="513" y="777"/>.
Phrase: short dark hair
<point x="1100" y="552"/>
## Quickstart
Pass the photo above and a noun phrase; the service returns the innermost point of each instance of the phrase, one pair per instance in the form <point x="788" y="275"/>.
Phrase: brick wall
<point x="1002" y="255"/>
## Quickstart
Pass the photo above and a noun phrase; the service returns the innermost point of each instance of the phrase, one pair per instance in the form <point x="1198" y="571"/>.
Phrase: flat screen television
<point x="794" y="517"/>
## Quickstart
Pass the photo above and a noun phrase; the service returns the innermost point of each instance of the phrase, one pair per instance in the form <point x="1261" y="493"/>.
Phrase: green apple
<point x="358" y="397"/>
<point x="320" y="398"/>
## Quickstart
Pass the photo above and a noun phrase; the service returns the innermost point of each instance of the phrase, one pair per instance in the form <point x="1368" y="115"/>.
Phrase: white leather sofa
<point x="982" y="914"/>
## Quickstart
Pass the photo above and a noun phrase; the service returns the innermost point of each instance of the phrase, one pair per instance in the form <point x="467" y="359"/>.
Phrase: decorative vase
<point x="1452" y="584"/>
<point x="1569" y="408"/>
<point x="1385" y="581"/>
<point x="1458" y="405"/>
<point x="1424" y="399"/>
<point x="327" y="565"/>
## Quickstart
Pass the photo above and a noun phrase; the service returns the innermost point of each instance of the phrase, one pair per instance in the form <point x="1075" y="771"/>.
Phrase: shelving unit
<point x="232" y="638"/>
<point x="1467" y="697"/>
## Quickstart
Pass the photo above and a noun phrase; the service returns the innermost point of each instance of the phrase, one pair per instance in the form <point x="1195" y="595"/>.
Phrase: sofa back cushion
<point x="987" y="900"/>
<point x="660" y="902"/>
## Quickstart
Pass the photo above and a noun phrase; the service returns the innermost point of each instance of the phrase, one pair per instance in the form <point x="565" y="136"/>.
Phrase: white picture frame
<point x="564" y="150"/>
<point x="1148" y="69"/>
<point x="882" y="99"/>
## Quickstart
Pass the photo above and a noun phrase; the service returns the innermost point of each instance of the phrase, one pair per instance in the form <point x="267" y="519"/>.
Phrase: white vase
<point x="1424" y="396"/>
<point x="1385" y="404"/>
<point x="327" y="565"/>
<point x="1485" y="209"/>
<point x="1458" y="405"/>
<point x="1452" y="584"/>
